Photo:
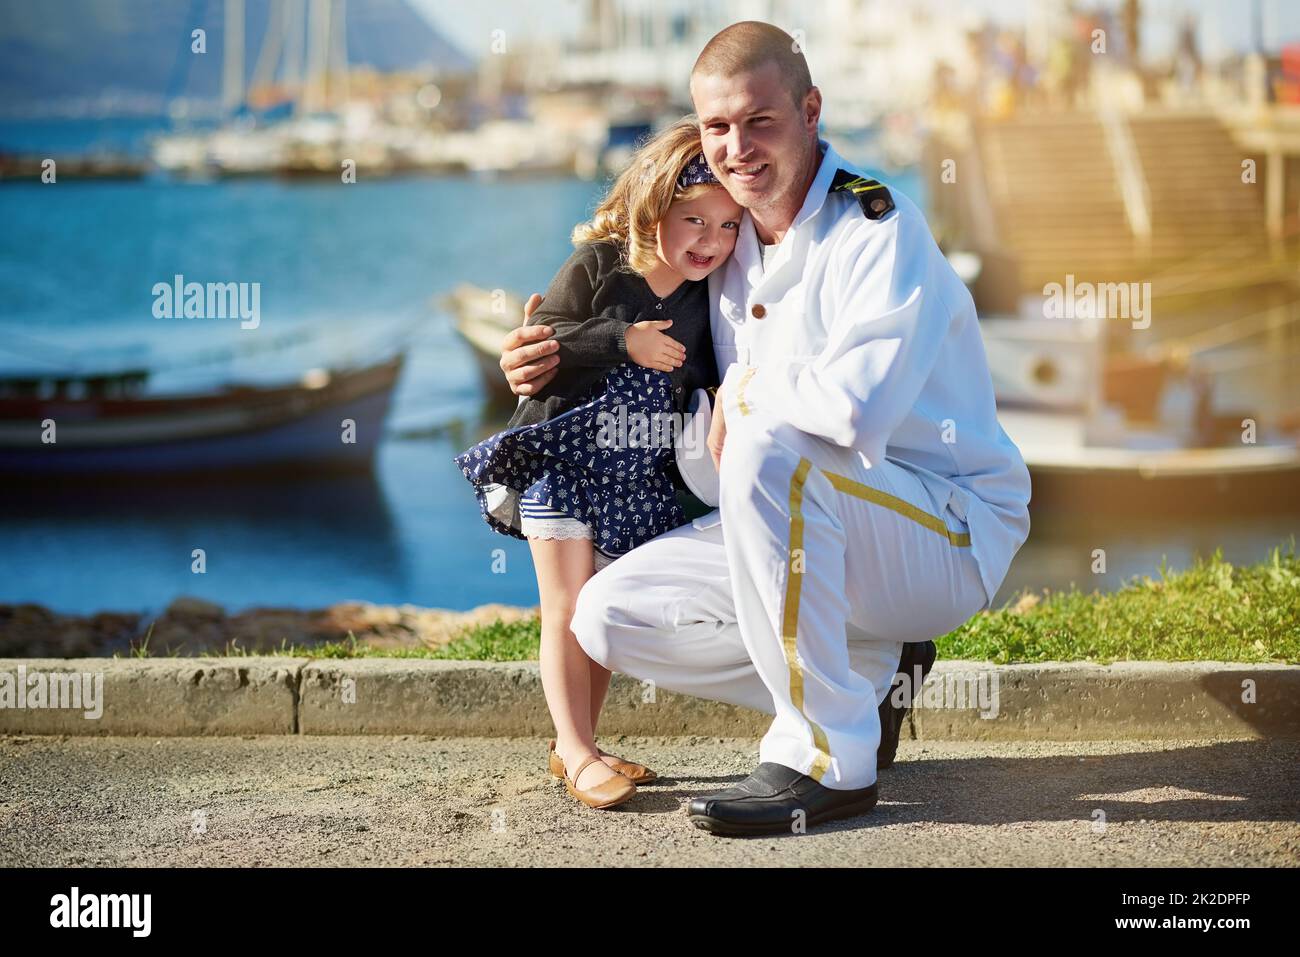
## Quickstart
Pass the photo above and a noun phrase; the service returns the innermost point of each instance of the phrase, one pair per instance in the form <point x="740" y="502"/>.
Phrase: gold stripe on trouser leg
<point x="903" y="507"/>
<point x="740" y="391"/>
<point x="790" y="618"/>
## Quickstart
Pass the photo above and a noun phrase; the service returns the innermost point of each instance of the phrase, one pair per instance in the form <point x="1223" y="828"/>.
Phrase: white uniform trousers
<point x="796" y="602"/>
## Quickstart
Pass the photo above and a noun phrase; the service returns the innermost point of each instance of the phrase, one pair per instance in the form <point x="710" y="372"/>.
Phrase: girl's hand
<point x="648" y="347"/>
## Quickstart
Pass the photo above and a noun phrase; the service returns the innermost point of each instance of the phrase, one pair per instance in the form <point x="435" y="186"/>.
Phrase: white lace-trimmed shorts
<point x="539" y="520"/>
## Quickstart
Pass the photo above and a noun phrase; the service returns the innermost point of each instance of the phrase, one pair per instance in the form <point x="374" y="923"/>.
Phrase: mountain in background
<point x="135" y="56"/>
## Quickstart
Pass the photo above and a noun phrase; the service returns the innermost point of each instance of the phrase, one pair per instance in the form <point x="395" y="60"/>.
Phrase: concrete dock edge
<point x="961" y="700"/>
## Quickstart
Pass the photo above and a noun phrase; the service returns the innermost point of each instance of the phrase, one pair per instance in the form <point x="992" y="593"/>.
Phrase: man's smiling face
<point x="759" y="143"/>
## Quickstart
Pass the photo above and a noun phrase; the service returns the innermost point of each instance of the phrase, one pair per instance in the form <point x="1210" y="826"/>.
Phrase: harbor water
<point x="346" y="265"/>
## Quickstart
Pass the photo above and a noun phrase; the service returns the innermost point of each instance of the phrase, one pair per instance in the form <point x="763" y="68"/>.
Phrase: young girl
<point x="572" y="472"/>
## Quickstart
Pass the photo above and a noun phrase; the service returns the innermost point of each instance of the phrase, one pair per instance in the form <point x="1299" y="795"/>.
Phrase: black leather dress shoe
<point x="892" y="716"/>
<point x="768" y="802"/>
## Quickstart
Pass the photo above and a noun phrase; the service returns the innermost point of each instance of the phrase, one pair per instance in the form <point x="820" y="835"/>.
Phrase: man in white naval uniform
<point x="869" y="497"/>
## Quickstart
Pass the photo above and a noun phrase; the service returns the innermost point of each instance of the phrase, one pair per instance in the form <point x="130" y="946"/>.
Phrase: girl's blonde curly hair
<point x="631" y="211"/>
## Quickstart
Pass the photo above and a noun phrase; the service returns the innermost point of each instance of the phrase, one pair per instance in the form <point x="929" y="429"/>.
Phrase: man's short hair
<point x="749" y="45"/>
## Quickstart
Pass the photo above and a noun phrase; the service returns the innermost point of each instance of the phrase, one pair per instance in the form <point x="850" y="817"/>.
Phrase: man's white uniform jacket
<point x="861" y="333"/>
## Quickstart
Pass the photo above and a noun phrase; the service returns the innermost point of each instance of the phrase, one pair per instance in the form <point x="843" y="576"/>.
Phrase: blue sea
<point x="349" y="264"/>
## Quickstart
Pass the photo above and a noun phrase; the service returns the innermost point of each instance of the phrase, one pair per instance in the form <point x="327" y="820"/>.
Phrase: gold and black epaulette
<point x="872" y="196"/>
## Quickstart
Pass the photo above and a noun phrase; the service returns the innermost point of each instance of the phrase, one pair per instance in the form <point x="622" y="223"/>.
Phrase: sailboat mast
<point x="295" y="26"/>
<point x="232" y="76"/>
<point x="339" y="54"/>
<point x="269" y="55"/>
<point x="318" y="30"/>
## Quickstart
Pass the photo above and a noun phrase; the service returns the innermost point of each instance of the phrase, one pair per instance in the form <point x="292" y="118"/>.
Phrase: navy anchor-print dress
<point x="620" y="490"/>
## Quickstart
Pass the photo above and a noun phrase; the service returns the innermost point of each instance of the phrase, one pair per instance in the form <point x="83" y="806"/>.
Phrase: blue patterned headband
<point x="697" y="171"/>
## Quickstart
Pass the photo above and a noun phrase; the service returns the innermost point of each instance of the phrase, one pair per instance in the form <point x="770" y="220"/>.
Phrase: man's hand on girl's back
<point x="528" y="354"/>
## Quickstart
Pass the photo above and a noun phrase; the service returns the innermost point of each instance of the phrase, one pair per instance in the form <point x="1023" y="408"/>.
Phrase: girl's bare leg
<point x="600" y="677"/>
<point x="563" y="566"/>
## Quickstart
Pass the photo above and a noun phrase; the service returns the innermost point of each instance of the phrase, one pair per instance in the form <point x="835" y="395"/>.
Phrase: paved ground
<point x="293" y="800"/>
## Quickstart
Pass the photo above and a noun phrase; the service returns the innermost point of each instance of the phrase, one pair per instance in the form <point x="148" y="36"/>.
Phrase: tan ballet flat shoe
<point x="604" y="795"/>
<point x="636" y="773"/>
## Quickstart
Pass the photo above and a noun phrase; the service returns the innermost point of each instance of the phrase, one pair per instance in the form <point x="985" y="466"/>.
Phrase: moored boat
<point x="93" y="424"/>
<point x="483" y="317"/>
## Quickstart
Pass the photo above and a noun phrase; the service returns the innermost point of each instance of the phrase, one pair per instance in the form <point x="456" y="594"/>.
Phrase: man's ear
<point x="812" y="109"/>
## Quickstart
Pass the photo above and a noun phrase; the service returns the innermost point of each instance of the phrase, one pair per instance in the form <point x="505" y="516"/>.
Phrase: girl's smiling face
<point x="698" y="234"/>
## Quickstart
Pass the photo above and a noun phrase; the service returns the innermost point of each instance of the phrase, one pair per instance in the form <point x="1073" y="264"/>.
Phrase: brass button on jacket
<point x="758" y="311"/>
